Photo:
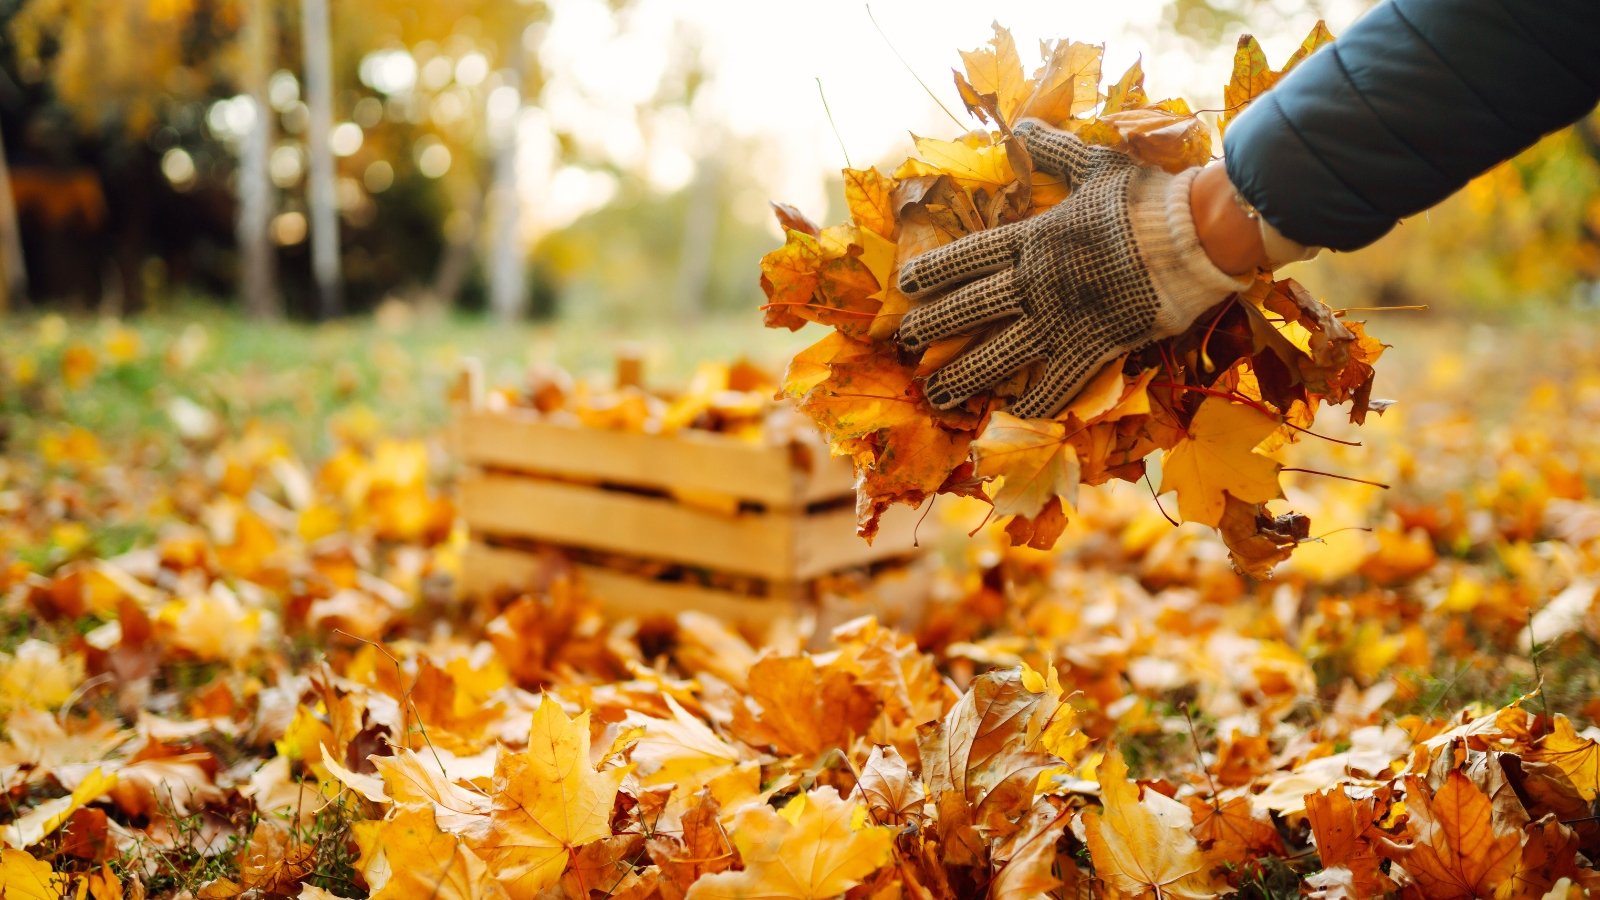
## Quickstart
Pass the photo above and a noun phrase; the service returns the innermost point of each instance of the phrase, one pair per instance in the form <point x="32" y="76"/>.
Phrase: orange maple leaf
<point x="802" y="708"/>
<point x="1343" y="829"/>
<point x="1233" y="832"/>
<point x="1457" y="849"/>
<point x="700" y="848"/>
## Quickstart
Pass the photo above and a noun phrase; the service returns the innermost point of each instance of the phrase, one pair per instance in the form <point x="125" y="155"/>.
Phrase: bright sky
<point x="764" y="60"/>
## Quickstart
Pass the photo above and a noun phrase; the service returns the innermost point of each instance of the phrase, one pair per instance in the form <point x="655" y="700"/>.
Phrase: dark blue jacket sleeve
<point x="1411" y="103"/>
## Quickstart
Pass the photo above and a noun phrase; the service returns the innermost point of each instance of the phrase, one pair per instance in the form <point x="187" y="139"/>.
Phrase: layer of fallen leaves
<point x="1220" y="399"/>
<point x="733" y="399"/>
<point x="277" y="695"/>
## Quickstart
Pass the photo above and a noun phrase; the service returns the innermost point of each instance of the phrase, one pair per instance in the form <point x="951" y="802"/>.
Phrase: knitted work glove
<point x="1108" y="270"/>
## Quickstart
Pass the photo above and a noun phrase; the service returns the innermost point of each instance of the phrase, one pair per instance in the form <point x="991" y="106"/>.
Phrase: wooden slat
<point x="831" y="478"/>
<point x="627" y="595"/>
<point x="582" y="516"/>
<point x="488" y="570"/>
<point x="688" y="460"/>
<point x="827" y="542"/>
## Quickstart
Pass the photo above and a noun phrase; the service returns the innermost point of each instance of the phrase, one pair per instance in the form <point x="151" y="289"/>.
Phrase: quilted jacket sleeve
<point x="1413" y="101"/>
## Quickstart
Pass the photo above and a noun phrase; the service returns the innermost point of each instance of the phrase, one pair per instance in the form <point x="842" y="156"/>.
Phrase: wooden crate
<point x="724" y="526"/>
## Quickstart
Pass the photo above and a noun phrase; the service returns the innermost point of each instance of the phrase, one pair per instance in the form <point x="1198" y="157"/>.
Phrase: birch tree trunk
<point x="697" y="251"/>
<point x="11" y="263"/>
<point x="321" y="197"/>
<point x="256" y="260"/>
<point x="507" y="285"/>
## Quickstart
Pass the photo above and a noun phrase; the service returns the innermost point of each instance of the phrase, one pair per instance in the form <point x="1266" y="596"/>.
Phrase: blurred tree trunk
<point x="11" y="263"/>
<point x="321" y="196"/>
<point x="507" y="286"/>
<point x="456" y="260"/>
<point x="256" y="282"/>
<point x="699" y="238"/>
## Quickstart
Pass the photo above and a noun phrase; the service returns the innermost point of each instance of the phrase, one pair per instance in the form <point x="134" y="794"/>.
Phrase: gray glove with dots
<point x="1110" y="269"/>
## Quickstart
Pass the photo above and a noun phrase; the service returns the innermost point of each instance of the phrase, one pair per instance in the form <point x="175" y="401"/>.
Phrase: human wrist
<point x="1229" y="235"/>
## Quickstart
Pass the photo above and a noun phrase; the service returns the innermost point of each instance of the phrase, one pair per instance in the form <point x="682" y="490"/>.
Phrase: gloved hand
<point x="1108" y="270"/>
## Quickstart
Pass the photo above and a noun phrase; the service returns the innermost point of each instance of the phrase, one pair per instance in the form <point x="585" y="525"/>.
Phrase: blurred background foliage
<point x="461" y="182"/>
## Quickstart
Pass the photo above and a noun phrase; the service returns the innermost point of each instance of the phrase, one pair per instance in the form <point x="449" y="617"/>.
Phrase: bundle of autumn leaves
<point x="1248" y="378"/>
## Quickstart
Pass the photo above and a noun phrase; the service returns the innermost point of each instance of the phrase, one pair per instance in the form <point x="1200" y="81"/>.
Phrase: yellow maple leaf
<point x="811" y="366"/>
<point x="877" y="254"/>
<point x="1068" y="84"/>
<point x="1143" y="845"/>
<point x="866" y="192"/>
<point x="213" y="625"/>
<point x="1100" y="394"/>
<point x="1252" y="76"/>
<point x="1053" y="724"/>
<point x="38" y="676"/>
<point x="548" y="801"/>
<point x="1577" y="756"/>
<point x="998" y="71"/>
<point x="816" y="846"/>
<point x="682" y="750"/>
<point x="1032" y="460"/>
<point x="984" y="166"/>
<point x="24" y="878"/>
<point x="305" y="736"/>
<point x="1128" y="92"/>
<point x="413" y="780"/>
<point x="409" y="858"/>
<point x="1218" y="457"/>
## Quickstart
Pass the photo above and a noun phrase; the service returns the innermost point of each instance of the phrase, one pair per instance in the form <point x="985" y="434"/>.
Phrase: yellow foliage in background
<point x="1528" y="229"/>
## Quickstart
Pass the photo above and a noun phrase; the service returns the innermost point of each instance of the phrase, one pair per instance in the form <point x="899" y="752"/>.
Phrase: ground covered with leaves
<point x="232" y="665"/>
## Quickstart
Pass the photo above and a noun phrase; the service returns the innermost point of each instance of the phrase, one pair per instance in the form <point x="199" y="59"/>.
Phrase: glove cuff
<point x="1184" y="277"/>
<point x="1281" y="250"/>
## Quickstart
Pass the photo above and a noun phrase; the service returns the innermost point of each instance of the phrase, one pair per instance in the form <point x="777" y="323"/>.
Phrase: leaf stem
<point x="1205" y="342"/>
<point x="912" y="72"/>
<point x="822" y="306"/>
<point x="1416" y="307"/>
<point x="836" y="135"/>
<point x="1258" y="407"/>
<point x="1376" y="484"/>
<point x="1157" y="498"/>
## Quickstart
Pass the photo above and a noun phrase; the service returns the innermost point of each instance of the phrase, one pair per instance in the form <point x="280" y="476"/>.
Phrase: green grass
<point x="303" y="377"/>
